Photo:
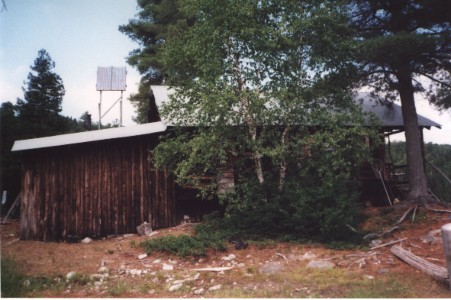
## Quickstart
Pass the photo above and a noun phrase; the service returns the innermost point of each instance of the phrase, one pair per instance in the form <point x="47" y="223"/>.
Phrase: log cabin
<point x="102" y="182"/>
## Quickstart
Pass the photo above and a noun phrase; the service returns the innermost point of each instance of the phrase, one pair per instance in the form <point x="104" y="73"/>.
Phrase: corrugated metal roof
<point x="89" y="136"/>
<point x="389" y="114"/>
<point x="111" y="78"/>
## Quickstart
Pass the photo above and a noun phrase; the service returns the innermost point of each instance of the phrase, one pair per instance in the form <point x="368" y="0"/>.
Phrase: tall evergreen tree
<point x="398" y="42"/>
<point x="39" y="111"/>
<point x="156" y="21"/>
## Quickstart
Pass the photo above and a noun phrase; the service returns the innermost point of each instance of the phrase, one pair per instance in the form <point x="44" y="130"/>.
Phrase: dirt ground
<point x="264" y="269"/>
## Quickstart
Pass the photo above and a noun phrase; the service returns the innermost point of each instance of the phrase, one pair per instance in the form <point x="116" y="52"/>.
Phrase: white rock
<point x="128" y="235"/>
<point x="229" y="257"/>
<point x="368" y="277"/>
<point x="172" y="262"/>
<point x="167" y="267"/>
<point x="142" y="256"/>
<point x="320" y="264"/>
<point x="309" y="255"/>
<point x="70" y="275"/>
<point x="199" y="291"/>
<point x="175" y="287"/>
<point x="157" y="261"/>
<point x="215" y="288"/>
<point x="133" y="272"/>
<point x="86" y="240"/>
<point x="26" y="283"/>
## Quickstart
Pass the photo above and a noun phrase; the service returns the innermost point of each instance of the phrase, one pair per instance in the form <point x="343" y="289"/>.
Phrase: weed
<point x="109" y="251"/>
<point x="80" y="279"/>
<point x="133" y="244"/>
<point x="117" y="289"/>
<point x="12" y="279"/>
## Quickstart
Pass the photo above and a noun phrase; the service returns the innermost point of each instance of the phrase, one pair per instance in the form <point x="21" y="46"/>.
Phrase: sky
<point x="81" y="35"/>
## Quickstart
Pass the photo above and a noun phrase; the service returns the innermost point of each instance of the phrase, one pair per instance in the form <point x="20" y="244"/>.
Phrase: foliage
<point x="399" y="45"/>
<point x="155" y="22"/>
<point x="436" y="154"/>
<point x="11" y="278"/>
<point x="39" y="111"/>
<point x="269" y="99"/>
<point x="184" y="245"/>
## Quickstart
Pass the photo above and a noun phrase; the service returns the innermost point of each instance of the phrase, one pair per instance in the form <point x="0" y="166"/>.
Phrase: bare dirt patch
<point x="356" y="273"/>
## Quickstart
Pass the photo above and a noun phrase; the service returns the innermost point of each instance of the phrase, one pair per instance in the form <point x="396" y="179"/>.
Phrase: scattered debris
<point x="215" y="288"/>
<point x="388" y="244"/>
<point x="167" y="267"/>
<point x="128" y="235"/>
<point x="199" y="291"/>
<point x="438" y="210"/>
<point x="219" y="269"/>
<point x="283" y="256"/>
<point x="229" y="257"/>
<point x="13" y="241"/>
<point x="142" y="256"/>
<point x="175" y="287"/>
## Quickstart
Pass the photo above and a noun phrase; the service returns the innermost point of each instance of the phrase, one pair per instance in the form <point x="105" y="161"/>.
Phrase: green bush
<point x="184" y="245"/>
<point x="11" y="278"/>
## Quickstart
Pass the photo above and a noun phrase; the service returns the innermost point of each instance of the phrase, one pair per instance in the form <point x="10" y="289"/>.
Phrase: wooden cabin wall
<point x="94" y="189"/>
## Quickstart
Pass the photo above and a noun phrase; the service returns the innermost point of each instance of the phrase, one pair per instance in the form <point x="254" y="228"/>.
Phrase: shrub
<point x="184" y="245"/>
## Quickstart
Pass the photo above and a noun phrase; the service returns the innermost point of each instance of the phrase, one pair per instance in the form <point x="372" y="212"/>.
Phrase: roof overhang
<point x="89" y="136"/>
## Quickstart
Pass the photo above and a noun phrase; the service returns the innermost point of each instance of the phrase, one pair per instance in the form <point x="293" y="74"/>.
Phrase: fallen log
<point x="436" y="272"/>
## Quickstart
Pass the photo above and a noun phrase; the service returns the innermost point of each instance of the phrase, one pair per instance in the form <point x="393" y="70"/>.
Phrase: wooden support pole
<point x="446" y="237"/>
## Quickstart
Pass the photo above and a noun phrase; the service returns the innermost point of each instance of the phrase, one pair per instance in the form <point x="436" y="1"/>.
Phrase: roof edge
<point x="88" y="136"/>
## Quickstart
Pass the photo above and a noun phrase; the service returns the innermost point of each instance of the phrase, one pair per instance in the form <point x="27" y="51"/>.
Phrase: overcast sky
<point x="81" y="35"/>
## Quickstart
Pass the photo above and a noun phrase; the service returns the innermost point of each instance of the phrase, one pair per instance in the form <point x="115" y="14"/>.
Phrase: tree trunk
<point x="418" y="190"/>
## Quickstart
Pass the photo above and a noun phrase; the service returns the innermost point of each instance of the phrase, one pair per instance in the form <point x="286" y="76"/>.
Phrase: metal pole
<point x="120" y="120"/>
<point x="446" y="237"/>
<point x="100" y="110"/>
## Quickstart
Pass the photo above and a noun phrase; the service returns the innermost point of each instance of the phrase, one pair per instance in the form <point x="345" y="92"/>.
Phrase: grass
<point x="12" y="279"/>
<point x="118" y="289"/>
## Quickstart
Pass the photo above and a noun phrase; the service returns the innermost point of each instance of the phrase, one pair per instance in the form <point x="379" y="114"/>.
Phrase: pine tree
<point x="398" y="43"/>
<point x="39" y="111"/>
<point x="156" y="22"/>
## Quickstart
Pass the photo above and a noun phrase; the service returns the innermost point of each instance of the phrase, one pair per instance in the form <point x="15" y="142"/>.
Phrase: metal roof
<point x="389" y="114"/>
<point x="111" y="78"/>
<point x="89" y="136"/>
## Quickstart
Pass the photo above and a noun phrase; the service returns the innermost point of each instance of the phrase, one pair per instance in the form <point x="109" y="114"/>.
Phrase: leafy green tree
<point x="39" y="111"/>
<point x="399" y="43"/>
<point x="263" y="87"/>
<point x="156" y="21"/>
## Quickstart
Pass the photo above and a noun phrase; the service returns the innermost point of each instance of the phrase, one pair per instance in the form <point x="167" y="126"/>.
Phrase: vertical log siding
<point x="94" y="189"/>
